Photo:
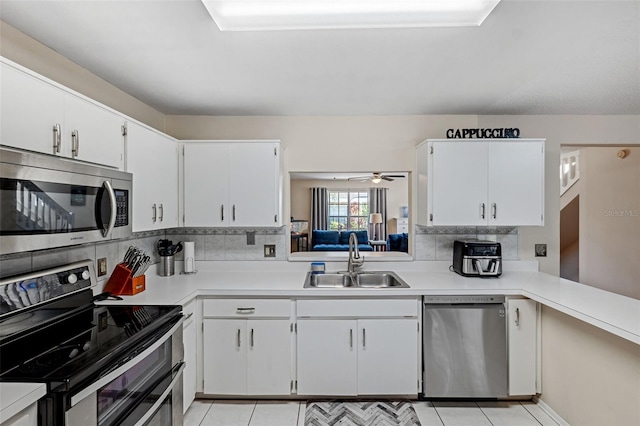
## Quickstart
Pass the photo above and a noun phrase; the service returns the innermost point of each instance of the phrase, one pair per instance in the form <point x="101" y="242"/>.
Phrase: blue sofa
<point x="398" y="242"/>
<point x="325" y="240"/>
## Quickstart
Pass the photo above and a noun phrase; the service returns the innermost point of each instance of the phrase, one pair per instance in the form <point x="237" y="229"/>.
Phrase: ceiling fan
<point x="376" y="177"/>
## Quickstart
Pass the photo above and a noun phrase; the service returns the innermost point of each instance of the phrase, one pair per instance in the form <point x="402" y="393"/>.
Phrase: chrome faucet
<point x="355" y="261"/>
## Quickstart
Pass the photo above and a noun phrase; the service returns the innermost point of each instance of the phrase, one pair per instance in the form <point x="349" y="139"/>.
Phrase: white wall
<point x="24" y="50"/>
<point x="610" y="220"/>
<point x="589" y="377"/>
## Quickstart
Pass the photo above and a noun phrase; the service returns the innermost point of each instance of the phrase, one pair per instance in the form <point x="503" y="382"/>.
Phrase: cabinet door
<point x="254" y="182"/>
<point x="458" y="183"/>
<point x="166" y="181"/>
<point x="93" y="133"/>
<point x="152" y="158"/>
<point x="516" y="183"/>
<point x="522" y="332"/>
<point x="206" y="184"/>
<point x="387" y="356"/>
<point x="269" y="357"/>
<point x="30" y="109"/>
<point x="225" y="356"/>
<point x="327" y="357"/>
<point x="190" y="356"/>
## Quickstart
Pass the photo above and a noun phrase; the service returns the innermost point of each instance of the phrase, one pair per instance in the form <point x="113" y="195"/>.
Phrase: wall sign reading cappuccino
<point x="483" y="133"/>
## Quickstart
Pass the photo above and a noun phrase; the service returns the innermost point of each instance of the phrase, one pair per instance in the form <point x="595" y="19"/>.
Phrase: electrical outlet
<point x="269" y="250"/>
<point x="541" y="250"/>
<point x="102" y="266"/>
<point x="251" y="238"/>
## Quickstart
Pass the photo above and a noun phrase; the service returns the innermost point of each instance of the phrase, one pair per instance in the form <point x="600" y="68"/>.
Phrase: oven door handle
<point x="93" y="387"/>
<point x="177" y="370"/>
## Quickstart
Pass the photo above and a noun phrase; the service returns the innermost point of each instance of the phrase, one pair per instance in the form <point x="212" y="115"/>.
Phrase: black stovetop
<point x="72" y="339"/>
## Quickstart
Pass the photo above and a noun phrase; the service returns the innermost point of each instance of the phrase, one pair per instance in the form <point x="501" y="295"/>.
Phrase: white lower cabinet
<point x="522" y="329"/>
<point x="359" y="356"/>
<point x="327" y="357"/>
<point x="189" y="376"/>
<point x="244" y="354"/>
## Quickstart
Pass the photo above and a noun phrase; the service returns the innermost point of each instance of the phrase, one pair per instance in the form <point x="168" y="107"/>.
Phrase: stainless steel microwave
<point x="48" y="202"/>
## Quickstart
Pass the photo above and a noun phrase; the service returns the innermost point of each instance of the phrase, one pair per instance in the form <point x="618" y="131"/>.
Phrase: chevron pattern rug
<point x="361" y="413"/>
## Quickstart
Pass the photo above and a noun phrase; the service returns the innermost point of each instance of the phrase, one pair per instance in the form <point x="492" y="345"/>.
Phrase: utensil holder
<point x="167" y="266"/>
<point x="122" y="283"/>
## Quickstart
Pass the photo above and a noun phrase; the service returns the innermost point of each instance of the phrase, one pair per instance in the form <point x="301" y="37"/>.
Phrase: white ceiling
<point x="529" y="57"/>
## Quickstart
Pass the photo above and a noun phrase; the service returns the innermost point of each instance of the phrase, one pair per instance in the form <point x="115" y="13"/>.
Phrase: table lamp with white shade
<point x="375" y="219"/>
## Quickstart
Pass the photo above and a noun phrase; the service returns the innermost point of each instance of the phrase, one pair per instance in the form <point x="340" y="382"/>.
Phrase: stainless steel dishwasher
<point x="464" y="347"/>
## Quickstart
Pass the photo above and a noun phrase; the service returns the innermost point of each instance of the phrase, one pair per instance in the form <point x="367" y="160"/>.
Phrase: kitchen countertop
<point x="15" y="397"/>
<point x="611" y="312"/>
<point x="608" y="311"/>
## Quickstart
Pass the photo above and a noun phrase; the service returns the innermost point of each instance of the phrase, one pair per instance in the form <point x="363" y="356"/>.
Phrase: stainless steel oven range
<point x="102" y="365"/>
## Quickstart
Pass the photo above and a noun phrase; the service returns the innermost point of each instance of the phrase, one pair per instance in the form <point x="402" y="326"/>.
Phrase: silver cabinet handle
<point x="222" y="212"/>
<point x="482" y="211"/>
<point x="188" y="316"/>
<point x="75" y="143"/>
<point x="364" y="338"/>
<point x="233" y="213"/>
<point x="494" y="210"/>
<point x="57" y="138"/>
<point x="161" y="212"/>
<point x="245" y="310"/>
<point x="351" y="337"/>
<point x="155" y="213"/>
<point x="238" y="338"/>
<point x="252" y="337"/>
<point x="518" y="317"/>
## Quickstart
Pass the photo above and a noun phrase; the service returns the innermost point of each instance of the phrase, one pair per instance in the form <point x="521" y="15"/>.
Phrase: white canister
<point x="189" y="257"/>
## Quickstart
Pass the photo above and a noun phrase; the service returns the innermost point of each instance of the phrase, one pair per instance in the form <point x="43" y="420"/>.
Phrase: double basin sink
<point x="365" y="279"/>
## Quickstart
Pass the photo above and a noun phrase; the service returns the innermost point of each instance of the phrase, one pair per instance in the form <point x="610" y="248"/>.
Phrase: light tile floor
<point x="291" y="413"/>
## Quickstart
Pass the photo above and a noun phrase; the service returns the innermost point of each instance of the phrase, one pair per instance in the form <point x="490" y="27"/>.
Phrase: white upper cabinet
<point x="40" y="116"/>
<point x="475" y="183"/>
<point x="206" y="184"/>
<point x="94" y="134"/>
<point x="32" y="112"/>
<point x="232" y="184"/>
<point x="152" y="158"/>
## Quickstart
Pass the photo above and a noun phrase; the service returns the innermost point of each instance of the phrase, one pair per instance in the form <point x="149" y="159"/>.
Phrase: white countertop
<point x="15" y="397"/>
<point x="611" y="312"/>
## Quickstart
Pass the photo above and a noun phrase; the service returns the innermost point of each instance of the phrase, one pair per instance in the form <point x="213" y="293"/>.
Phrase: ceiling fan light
<point x="376" y="179"/>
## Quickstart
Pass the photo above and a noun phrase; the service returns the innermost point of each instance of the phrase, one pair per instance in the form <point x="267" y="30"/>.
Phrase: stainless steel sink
<point x="369" y="279"/>
<point x="379" y="280"/>
<point x="327" y="280"/>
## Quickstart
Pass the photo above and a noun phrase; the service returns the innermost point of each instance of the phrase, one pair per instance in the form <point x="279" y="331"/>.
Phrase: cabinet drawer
<point x="244" y="308"/>
<point x="358" y="308"/>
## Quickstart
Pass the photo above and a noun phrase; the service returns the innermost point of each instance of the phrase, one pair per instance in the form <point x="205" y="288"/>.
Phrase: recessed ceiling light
<point x="265" y="15"/>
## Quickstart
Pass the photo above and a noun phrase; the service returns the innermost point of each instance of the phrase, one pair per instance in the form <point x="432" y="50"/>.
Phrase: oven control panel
<point x="23" y="291"/>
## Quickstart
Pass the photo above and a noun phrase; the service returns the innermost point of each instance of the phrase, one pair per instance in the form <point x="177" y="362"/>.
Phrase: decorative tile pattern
<point x="436" y="242"/>
<point x="364" y="413"/>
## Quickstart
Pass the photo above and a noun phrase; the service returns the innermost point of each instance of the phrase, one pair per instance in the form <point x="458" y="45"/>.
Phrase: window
<point x="348" y="210"/>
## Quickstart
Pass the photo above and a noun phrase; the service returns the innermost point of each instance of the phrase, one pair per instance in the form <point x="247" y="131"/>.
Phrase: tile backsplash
<point x="431" y="243"/>
<point x="436" y="242"/>
<point x="210" y="244"/>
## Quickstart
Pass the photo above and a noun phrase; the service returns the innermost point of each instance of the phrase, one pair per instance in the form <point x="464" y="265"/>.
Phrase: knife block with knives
<point x="128" y="276"/>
